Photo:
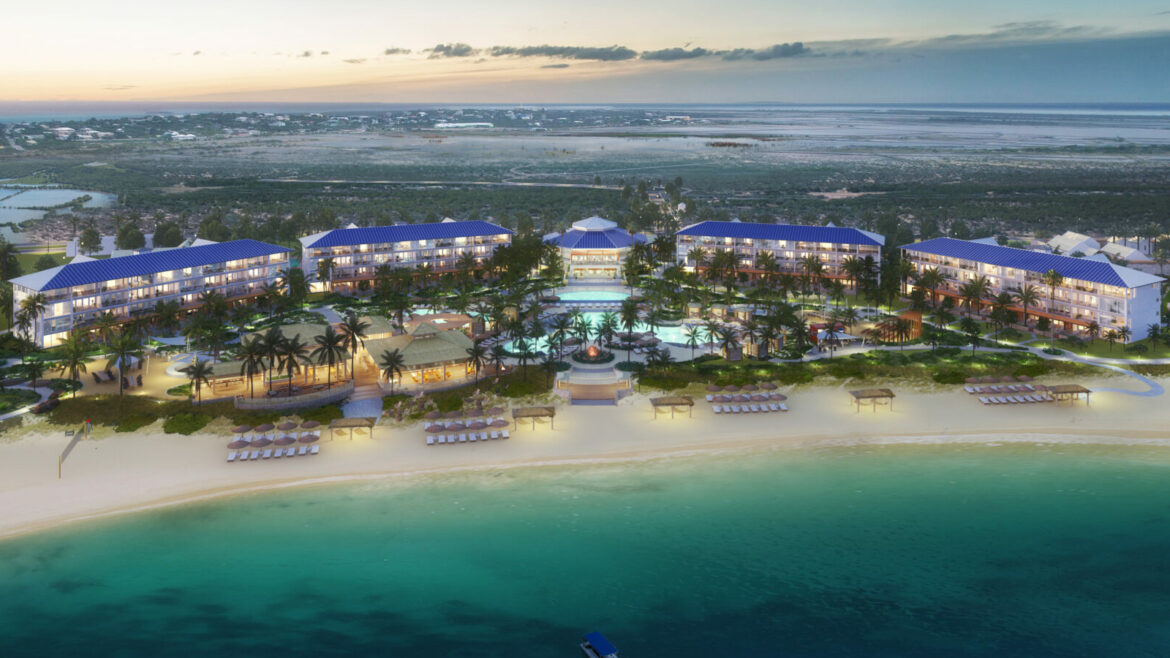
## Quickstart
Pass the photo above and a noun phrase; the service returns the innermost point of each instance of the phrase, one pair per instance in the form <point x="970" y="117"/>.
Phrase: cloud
<point x="602" y="53"/>
<point x="451" y="50"/>
<point x="324" y="52"/>
<point x="358" y="60"/>
<point x="197" y="52"/>
<point x="673" y="54"/>
<point x="562" y="65"/>
<point x="396" y="51"/>
<point x="119" y="87"/>
<point x="777" y="51"/>
<point x="307" y="53"/>
<point x="1018" y="31"/>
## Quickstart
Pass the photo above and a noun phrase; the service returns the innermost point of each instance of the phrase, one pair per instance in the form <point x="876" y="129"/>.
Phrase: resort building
<point x="594" y="248"/>
<point x="1092" y="291"/>
<point x="358" y="252"/>
<point x="77" y="293"/>
<point x="431" y="356"/>
<point x="787" y="243"/>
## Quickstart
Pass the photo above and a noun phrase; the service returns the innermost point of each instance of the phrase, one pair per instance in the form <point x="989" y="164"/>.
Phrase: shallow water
<point x="892" y="551"/>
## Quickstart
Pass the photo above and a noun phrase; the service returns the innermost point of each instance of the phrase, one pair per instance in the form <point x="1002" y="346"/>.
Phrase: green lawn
<point x="28" y="260"/>
<point x="1101" y="348"/>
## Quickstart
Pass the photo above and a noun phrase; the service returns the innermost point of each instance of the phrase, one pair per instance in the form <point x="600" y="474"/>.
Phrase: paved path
<point x="44" y="392"/>
<point x="365" y="402"/>
<point x="331" y="316"/>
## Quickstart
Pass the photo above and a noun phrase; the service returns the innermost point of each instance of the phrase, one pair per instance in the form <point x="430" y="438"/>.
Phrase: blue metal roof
<point x="1082" y="269"/>
<point x="599" y="642"/>
<point x="787" y="232"/>
<point x="614" y="238"/>
<point x="345" y="237"/>
<point x="96" y="271"/>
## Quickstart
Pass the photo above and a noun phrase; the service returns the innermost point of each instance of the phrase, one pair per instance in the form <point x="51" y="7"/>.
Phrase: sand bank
<point x="124" y="472"/>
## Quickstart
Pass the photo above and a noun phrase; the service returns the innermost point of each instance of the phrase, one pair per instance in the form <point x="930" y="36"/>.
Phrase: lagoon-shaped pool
<point x="669" y="334"/>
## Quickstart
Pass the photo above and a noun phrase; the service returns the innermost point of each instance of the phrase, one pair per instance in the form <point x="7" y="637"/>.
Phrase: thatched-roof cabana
<point x="533" y="413"/>
<point x="874" y="396"/>
<point x="1069" y="392"/>
<point x="672" y="402"/>
<point x="351" y="424"/>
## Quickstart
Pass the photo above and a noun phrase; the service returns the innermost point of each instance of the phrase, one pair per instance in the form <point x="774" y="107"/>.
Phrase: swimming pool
<point x="668" y="334"/>
<point x="593" y="296"/>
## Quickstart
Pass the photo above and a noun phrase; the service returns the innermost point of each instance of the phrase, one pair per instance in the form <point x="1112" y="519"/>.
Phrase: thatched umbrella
<point x="309" y="424"/>
<point x="474" y="413"/>
<point x="723" y="398"/>
<point x="989" y="380"/>
<point x="758" y="398"/>
<point x="1023" y="378"/>
<point x="731" y="387"/>
<point x="286" y="440"/>
<point x="261" y="442"/>
<point x="1007" y="380"/>
<point x="453" y="414"/>
<point x="768" y="386"/>
<point x="750" y="387"/>
<point x="287" y="426"/>
<point x="435" y="427"/>
<point x="308" y="438"/>
<point x="778" y="397"/>
<point x="266" y="427"/>
<point x="711" y="388"/>
<point x="476" y="425"/>
<point x="238" y="443"/>
<point x="742" y="398"/>
<point x="457" y="425"/>
<point x="240" y="429"/>
<point x="972" y="380"/>
<point x="499" y="422"/>
<point x="432" y="415"/>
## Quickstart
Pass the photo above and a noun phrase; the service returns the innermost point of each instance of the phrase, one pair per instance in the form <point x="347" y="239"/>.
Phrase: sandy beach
<point x="116" y="473"/>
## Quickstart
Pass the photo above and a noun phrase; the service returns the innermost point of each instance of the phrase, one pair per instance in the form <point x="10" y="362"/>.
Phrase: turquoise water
<point x="899" y="551"/>
<point x="593" y="296"/>
<point x="670" y="334"/>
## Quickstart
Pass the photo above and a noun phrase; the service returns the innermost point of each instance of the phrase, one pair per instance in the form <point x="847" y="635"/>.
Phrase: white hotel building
<point x="77" y="293"/>
<point x="787" y="243"/>
<point x="1092" y="291"/>
<point x="358" y="252"/>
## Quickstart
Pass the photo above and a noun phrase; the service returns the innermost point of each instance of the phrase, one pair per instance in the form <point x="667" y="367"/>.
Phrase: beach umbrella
<point x="972" y="380"/>
<point x="1007" y="380"/>
<point x="495" y="411"/>
<point x="240" y="429"/>
<point x="1023" y="378"/>
<point x="768" y="386"/>
<point x="432" y="415"/>
<point x="751" y="387"/>
<point x="266" y="427"/>
<point x="758" y="398"/>
<point x="742" y="398"/>
<point x="435" y="427"/>
<point x="499" y="422"/>
<point x="731" y="387"/>
<point x="457" y="425"/>
<point x="989" y="380"/>
<point x="308" y="438"/>
<point x="453" y="414"/>
<point x="309" y="424"/>
<point x="474" y="413"/>
<point x="778" y="397"/>
<point x="285" y="440"/>
<point x="476" y="425"/>
<point x="711" y="388"/>
<point x="261" y="442"/>
<point x="287" y="426"/>
<point x="238" y="443"/>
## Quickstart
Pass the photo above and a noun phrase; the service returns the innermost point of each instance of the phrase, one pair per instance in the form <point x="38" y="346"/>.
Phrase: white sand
<point x="124" y="472"/>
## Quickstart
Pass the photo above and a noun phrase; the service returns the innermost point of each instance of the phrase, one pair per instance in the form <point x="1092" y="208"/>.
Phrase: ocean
<point x="901" y="551"/>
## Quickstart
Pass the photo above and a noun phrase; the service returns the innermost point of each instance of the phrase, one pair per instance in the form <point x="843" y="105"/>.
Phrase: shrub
<point x="64" y="385"/>
<point x="1137" y="348"/>
<point x="449" y="404"/>
<point x="846" y="370"/>
<point x="181" y="391"/>
<point x="1034" y="369"/>
<point x="949" y="376"/>
<point x="322" y="414"/>
<point x="185" y="423"/>
<point x="521" y="389"/>
<point x="629" y="366"/>
<point x="134" y="422"/>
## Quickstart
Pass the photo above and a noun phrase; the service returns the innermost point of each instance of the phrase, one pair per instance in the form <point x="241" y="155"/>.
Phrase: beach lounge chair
<point x="314" y="450"/>
<point x="504" y="433"/>
<point x="463" y="438"/>
<point x="231" y="457"/>
<point x="304" y="450"/>
<point x="254" y="456"/>
<point x="969" y="389"/>
<point x="710" y="398"/>
<point x="772" y="407"/>
<point x="431" y="440"/>
<point x="717" y="409"/>
<point x="755" y="408"/>
<point x="267" y="454"/>
<point x="495" y="435"/>
<point x="96" y="379"/>
<point x="278" y="453"/>
<point x="984" y="401"/>
<point x="472" y="436"/>
<point x="1029" y="387"/>
<point x="783" y="407"/>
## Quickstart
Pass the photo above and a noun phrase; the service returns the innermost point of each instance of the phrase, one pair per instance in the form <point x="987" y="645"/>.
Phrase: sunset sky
<point x="600" y="51"/>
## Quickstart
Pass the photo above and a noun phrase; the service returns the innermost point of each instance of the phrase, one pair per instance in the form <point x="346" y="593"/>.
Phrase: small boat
<point x="594" y="645"/>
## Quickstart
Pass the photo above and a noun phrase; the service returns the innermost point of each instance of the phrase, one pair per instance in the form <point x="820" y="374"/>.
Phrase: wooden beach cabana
<point x="533" y="413"/>
<point x="1069" y="392"/>
<point x="874" y="396"/>
<point x="672" y="402"/>
<point x="351" y="424"/>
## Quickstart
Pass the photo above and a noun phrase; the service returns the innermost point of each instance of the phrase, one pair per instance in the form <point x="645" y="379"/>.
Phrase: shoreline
<point x="740" y="448"/>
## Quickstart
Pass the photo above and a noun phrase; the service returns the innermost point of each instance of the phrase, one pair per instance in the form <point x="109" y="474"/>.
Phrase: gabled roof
<point x="424" y="348"/>
<point x="594" y="233"/>
<point x="122" y="267"/>
<point x="786" y="232"/>
<point x="1082" y="269"/>
<point x="344" y="237"/>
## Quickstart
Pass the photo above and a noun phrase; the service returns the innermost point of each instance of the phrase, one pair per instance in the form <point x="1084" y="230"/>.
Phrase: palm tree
<point x="252" y="357"/>
<point x="329" y="351"/>
<point x="125" y="348"/>
<point x="292" y="281"/>
<point x="711" y="330"/>
<point x="496" y="357"/>
<point x="932" y="279"/>
<point x="34" y="305"/>
<point x="853" y="268"/>
<point x="1028" y="295"/>
<point x="269" y="296"/>
<point x="353" y="331"/>
<point x="74" y="356"/>
<point x="199" y="373"/>
<point x="271" y="345"/>
<point x="970" y="327"/>
<point x="391" y="362"/>
<point x="478" y="355"/>
<point x="325" y="273"/>
<point x="692" y="335"/>
<point x="1112" y="336"/>
<point x="33" y="370"/>
<point x="727" y="341"/>
<point x="974" y="291"/>
<point x="629" y="318"/>
<point x="292" y="351"/>
<point x="813" y="269"/>
<point x="166" y="315"/>
<point x="1053" y="280"/>
<point x="1093" y="330"/>
<point x="1124" y="333"/>
<point x="105" y="325"/>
